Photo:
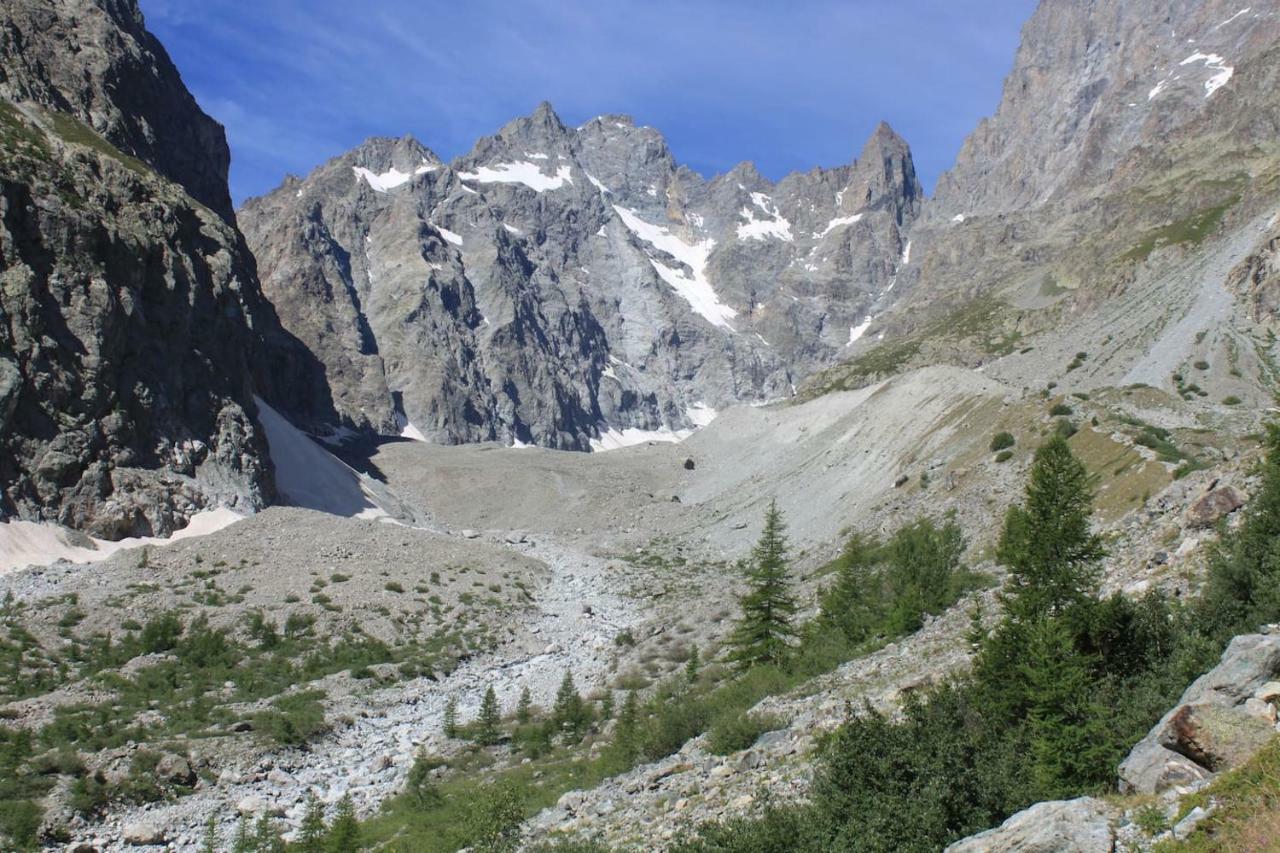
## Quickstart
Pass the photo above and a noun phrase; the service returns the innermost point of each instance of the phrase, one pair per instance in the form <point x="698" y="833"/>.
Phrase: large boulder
<point x="1082" y="825"/>
<point x="1216" y="725"/>
<point x="1213" y="506"/>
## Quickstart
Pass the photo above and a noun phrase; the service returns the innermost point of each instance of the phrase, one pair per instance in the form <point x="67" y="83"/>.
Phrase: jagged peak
<point x="885" y="140"/>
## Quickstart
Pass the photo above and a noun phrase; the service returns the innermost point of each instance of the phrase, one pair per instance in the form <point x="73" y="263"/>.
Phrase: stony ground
<point x="539" y="560"/>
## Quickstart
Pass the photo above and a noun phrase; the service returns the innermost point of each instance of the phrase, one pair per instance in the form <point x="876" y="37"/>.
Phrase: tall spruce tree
<point x="450" y="721"/>
<point x="311" y="833"/>
<point x="1068" y="736"/>
<point x="765" y="629"/>
<point x="570" y="712"/>
<point x="344" y="834"/>
<point x="524" y="708"/>
<point x="490" y="719"/>
<point x="1051" y="551"/>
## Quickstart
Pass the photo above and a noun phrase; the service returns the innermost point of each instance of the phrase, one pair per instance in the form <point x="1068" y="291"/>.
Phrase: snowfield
<point x="693" y="287"/>
<point x="529" y="174"/>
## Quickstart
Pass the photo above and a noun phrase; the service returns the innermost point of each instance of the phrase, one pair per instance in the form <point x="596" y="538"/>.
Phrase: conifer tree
<point x="209" y="843"/>
<point x="692" y="665"/>
<point x="626" y="735"/>
<point x="1068" y="737"/>
<point x="418" y="784"/>
<point x="311" y="833"/>
<point x="1243" y="588"/>
<point x="243" y="842"/>
<point x="1047" y="543"/>
<point x="524" y="707"/>
<point x="265" y="837"/>
<point x="490" y="719"/>
<point x="606" y="706"/>
<point x="344" y="834"/>
<point x="569" y="712"/>
<point x="450" y="723"/>
<point x="764" y="630"/>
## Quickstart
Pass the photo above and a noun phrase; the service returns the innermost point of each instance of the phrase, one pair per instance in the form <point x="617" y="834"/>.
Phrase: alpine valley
<point x="562" y="498"/>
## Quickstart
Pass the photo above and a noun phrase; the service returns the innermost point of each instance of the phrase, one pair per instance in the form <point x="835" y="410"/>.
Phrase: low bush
<point x="293" y="720"/>
<point x="1002" y="441"/>
<point x="731" y="734"/>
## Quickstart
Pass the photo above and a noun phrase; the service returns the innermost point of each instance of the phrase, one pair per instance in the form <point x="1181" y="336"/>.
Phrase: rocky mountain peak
<point x="884" y="177"/>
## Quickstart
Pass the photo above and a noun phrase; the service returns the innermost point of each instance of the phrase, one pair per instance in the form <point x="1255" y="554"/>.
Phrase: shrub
<point x="1002" y="441"/>
<point x="294" y="719"/>
<point x="1065" y="429"/>
<point x="1201" y="365"/>
<point x="1061" y="410"/>
<point x="392" y="586"/>
<point x="1231" y="400"/>
<point x="731" y="734"/>
<point x="1004" y="456"/>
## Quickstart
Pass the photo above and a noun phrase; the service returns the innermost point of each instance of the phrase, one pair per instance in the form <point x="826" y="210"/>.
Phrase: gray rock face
<point x="1221" y="720"/>
<point x="557" y="285"/>
<point x="1083" y="825"/>
<point x="94" y="59"/>
<point x="133" y="332"/>
<point x="1090" y="83"/>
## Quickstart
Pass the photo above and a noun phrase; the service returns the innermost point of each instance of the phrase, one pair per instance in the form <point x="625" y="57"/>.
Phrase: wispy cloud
<point x="786" y="85"/>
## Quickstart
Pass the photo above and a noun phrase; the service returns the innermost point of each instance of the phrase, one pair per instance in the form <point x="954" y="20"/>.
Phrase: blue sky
<point x="787" y="85"/>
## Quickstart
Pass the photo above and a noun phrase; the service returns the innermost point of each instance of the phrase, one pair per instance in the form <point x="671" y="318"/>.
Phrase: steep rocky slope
<point x="132" y="328"/>
<point x="571" y="287"/>
<point x="1118" y="205"/>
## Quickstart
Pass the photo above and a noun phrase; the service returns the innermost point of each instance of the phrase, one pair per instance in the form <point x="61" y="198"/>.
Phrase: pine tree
<point x="626" y="734"/>
<point x="1047" y="543"/>
<point x="606" y="706"/>
<point x="311" y="833"/>
<point x="764" y="631"/>
<point x="569" y="712"/>
<point x="418" y="784"/>
<point x="451" y="717"/>
<point x="490" y="719"/>
<point x="210" y="842"/>
<point x="524" y="708"/>
<point x="692" y="665"/>
<point x="1068" y="736"/>
<point x="1243" y="588"/>
<point x="265" y="837"/>
<point x="344" y="834"/>
<point x="243" y="841"/>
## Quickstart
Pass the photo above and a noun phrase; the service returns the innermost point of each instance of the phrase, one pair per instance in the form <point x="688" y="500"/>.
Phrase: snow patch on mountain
<point x="529" y="174"/>
<point x="856" y="332"/>
<point x="616" y="439"/>
<point x="388" y="180"/>
<point x="838" y="222"/>
<point x="775" y="225"/>
<point x="693" y="286"/>
<point x="452" y="237"/>
<point x="1215" y="63"/>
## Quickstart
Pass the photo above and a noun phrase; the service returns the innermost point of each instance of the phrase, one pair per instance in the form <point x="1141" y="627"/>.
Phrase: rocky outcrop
<point x="1222" y="719"/>
<point x="1083" y="825"/>
<point x="133" y="332"/>
<point x="1092" y="82"/>
<point x="574" y="286"/>
<point x="1213" y="506"/>
<point x="95" y="60"/>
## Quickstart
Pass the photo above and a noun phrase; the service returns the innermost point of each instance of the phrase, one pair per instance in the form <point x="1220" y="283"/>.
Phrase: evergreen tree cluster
<point x="1061" y="688"/>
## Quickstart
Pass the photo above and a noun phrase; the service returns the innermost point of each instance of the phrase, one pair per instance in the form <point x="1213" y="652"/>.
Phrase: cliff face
<point x="1092" y="82"/>
<point x="574" y="287"/>
<point x="133" y="332"/>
